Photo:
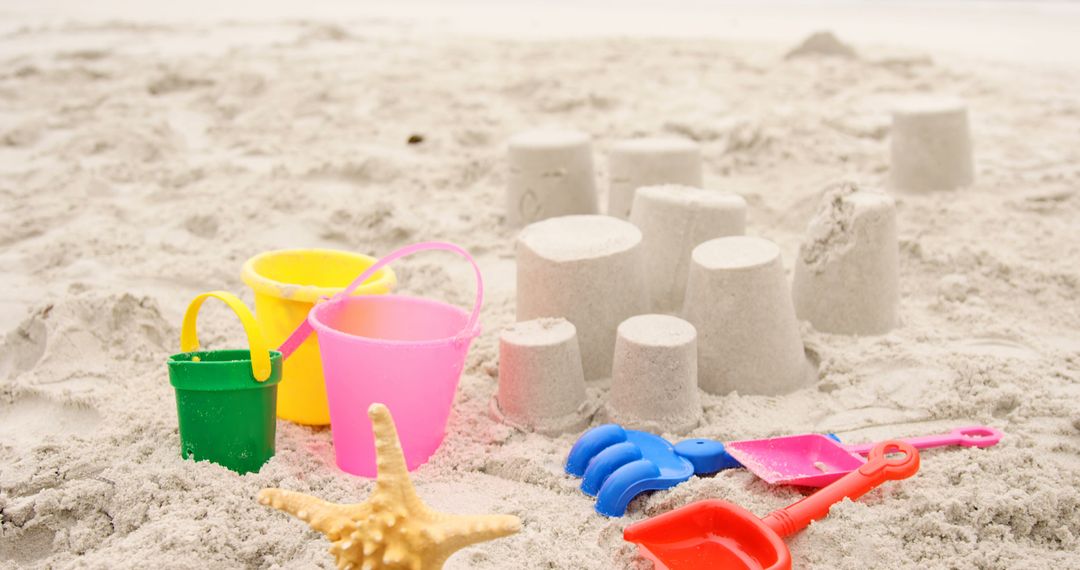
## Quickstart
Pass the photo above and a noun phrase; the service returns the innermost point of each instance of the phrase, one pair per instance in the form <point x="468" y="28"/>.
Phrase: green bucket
<point x="226" y="400"/>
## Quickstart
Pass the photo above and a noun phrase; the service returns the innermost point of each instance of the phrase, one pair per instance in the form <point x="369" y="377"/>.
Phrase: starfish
<point x="393" y="528"/>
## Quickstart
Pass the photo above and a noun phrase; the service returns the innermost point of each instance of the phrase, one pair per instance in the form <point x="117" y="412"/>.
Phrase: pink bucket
<point x="404" y="352"/>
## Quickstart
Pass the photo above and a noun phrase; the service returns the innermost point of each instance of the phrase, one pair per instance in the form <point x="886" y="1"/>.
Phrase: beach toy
<point x="618" y="464"/>
<point x="393" y="528"/>
<point x="287" y="284"/>
<point x="405" y="352"/>
<point x="225" y="399"/>
<point x="717" y="534"/>
<point x="813" y="460"/>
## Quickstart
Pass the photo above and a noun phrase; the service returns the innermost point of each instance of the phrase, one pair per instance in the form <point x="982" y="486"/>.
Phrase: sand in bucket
<point x="287" y="283"/>
<point x="225" y="399"/>
<point x="404" y="352"/>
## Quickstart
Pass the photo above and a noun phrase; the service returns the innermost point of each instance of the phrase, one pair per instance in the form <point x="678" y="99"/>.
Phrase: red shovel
<point x="715" y="534"/>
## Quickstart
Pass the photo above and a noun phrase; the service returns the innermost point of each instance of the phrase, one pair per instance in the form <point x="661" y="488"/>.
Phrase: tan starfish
<point x="393" y="528"/>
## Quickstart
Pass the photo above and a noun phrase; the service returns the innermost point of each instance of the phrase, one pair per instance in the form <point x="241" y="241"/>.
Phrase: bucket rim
<point x="323" y="328"/>
<point x="182" y="360"/>
<point x="383" y="280"/>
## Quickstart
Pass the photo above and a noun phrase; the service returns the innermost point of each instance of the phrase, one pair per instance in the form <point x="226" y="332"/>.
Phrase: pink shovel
<point x="814" y="460"/>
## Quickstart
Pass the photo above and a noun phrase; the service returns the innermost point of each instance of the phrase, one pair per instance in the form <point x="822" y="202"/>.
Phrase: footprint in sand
<point x="32" y="420"/>
<point x="202" y="225"/>
<point x="26" y="423"/>
<point x="893" y="392"/>
<point x="28" y="546"/>
<point x="906" y="383"/>
<point x="24" y="346"/>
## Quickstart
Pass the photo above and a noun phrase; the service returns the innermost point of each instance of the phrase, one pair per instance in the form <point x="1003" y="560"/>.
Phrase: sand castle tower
<point x="846" y="273"/>
<point x="541" y="383"/>
<point x="673" y="221"/>
<point x="931" y="145"/>
<point x="551" y="174"/>
<point x="738" y="298"/>
<point x="635" y="163"/>
<point x="654" y="385"/>
<point x="588" y="270"/>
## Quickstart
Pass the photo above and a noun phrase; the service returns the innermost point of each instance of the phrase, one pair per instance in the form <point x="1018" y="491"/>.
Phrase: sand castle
<point x="541" y="382"/>
<point x="588" y="270"/>
<point x="551" y="174"/>
<point x="654" y="376"/>
<point x="673" y="221"/>
<point x="846" y="273"/>
<point x="931" y="145"/>
<point x="635" y="163"/>
<point x="749" y="338"/>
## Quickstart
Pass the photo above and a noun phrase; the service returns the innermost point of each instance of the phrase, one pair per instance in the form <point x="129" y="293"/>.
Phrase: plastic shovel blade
<point x="709" y="534"/>
<point x="810" y="460"/>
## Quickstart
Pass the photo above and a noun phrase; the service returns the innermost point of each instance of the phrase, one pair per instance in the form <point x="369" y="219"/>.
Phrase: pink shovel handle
<point x="970" y="436"/>
<point x="471" y="329"/>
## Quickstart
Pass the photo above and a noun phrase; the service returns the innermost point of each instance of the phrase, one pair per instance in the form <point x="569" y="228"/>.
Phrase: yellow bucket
<point x="287" y="283"/>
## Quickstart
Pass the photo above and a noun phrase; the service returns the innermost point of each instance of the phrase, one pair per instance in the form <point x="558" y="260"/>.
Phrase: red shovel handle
<point x="877" y="470"/>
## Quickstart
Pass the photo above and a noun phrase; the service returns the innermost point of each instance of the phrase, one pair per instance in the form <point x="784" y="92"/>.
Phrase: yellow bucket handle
<point x="260" y="350"/>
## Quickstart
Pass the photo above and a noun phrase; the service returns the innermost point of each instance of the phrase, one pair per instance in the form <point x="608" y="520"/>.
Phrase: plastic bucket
<point x="225" y="399"/>
<point x="287" y="284"/>
<point x="404" y="352"/>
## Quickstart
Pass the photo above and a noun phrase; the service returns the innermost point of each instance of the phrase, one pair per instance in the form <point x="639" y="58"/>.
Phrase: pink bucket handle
<point x="969" y="436"/>
<point x="471" y="329"/>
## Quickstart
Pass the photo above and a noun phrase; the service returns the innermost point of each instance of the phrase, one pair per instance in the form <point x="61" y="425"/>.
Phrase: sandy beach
<point x="144" y="156"/>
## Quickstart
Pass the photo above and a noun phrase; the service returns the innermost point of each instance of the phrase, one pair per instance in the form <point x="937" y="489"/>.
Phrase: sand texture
<point x="142" y="163"/>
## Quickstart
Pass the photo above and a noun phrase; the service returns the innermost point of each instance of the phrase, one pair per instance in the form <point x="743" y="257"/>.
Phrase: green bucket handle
<point x="260" y="350"/>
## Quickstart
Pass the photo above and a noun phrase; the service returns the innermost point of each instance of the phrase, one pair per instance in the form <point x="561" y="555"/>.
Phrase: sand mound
<point x="822" y="44"/>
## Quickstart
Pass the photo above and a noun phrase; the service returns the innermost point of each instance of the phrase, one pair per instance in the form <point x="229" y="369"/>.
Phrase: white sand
<point x="142" y="163"/>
